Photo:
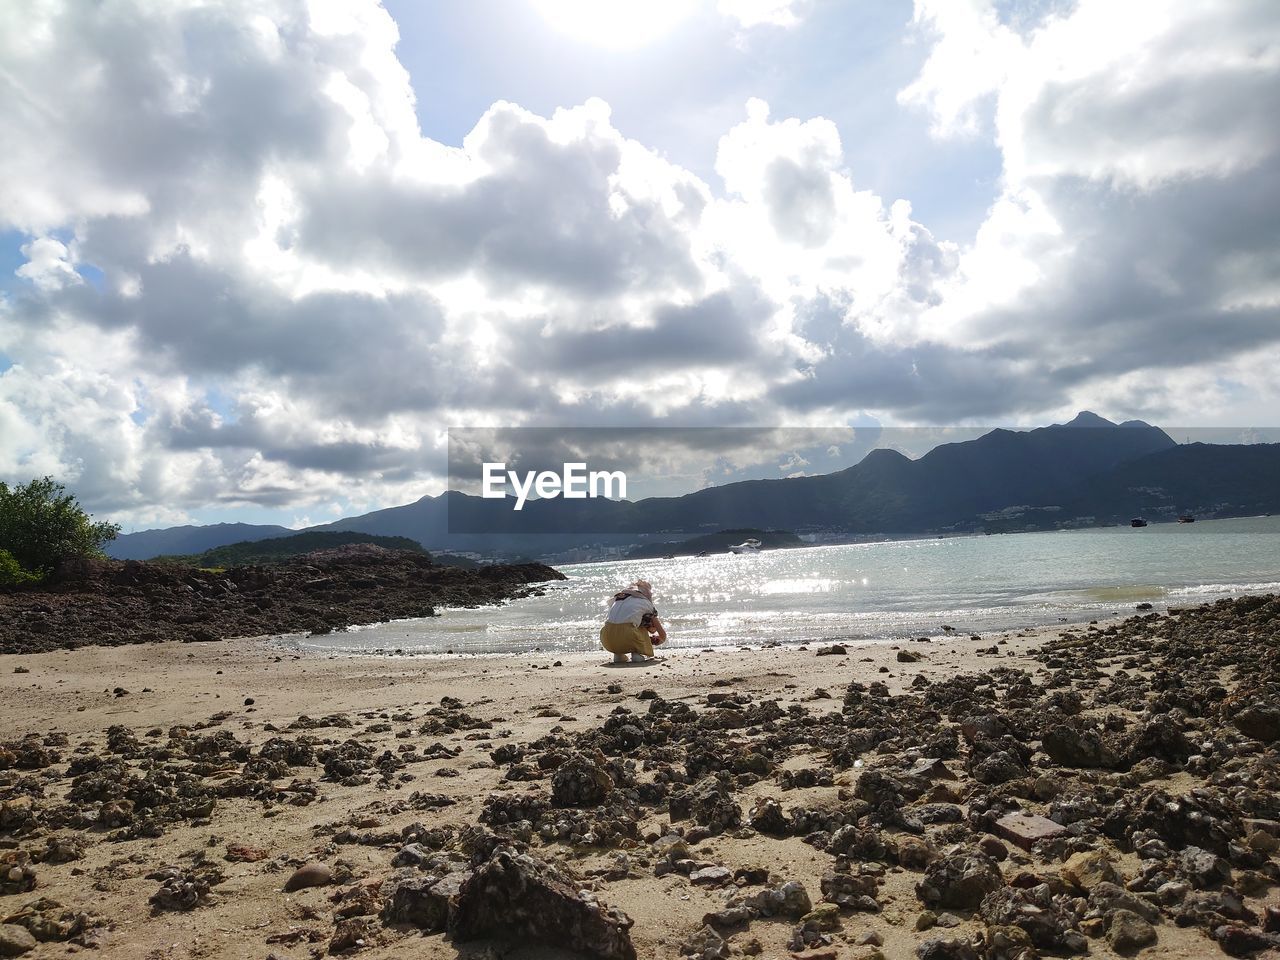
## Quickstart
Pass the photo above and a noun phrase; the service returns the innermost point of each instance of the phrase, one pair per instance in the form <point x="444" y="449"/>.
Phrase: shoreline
<point x="278" y="643"/>
<point x="383" y="750"/>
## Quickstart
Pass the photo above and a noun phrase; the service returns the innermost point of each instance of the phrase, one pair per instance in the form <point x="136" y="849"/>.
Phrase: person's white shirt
<point x="630" y="609"/>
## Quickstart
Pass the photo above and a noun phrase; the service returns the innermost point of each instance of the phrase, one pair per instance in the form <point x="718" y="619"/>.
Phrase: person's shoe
<point x="639" y="658"/>
<point x="619" y="658"/>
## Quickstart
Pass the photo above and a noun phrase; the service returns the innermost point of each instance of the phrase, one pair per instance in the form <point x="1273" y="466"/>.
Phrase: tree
<point x="40" y="523"/>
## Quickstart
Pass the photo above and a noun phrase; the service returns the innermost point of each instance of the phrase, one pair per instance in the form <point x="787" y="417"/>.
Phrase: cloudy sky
<point x="256" y="257"/>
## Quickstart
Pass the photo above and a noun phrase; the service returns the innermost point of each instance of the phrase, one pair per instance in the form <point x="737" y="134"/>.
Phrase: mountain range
<point x="1088" y="471"/>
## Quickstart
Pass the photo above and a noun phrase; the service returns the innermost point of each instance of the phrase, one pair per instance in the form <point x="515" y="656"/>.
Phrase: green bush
<point x="11" y="572"/>
<point x="40" y="523"/>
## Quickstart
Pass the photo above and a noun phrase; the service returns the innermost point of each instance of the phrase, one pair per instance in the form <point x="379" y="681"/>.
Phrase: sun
<point x="614" y="24"/>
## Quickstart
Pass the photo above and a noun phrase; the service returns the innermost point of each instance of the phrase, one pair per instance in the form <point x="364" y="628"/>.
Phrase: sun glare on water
<point x="614" y="24"/>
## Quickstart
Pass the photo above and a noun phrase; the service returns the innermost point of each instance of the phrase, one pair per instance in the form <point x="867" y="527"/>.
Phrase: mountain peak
<point x="1087" y="418"/>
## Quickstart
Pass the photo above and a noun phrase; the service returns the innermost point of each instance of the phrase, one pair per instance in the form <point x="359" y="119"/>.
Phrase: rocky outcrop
<point x="111" y="602"/>
<point x="519" y="898"/>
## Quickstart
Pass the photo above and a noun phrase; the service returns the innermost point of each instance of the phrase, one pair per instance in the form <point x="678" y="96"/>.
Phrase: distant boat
<point x="1137" y="522"/>
<point x="750" y="545"/>
<point x="1186" y="518"/>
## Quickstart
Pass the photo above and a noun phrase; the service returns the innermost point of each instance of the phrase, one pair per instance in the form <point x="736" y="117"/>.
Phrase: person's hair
<point x="642" y="587"/>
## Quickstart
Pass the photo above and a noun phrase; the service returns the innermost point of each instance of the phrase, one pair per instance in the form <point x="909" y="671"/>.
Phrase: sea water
<point x="866" y="592"/>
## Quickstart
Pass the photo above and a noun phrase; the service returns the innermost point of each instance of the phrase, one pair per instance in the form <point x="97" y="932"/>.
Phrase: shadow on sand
<point x="622" y="666"/>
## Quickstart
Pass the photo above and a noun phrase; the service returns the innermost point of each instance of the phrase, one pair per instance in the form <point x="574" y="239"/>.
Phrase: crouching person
<point x="632" y="627"/>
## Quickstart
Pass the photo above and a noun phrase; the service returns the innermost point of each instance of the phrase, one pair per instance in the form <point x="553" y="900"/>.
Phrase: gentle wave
<point x="1217" y="589"/>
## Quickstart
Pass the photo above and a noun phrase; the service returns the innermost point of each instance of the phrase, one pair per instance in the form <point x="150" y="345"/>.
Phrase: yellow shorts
<point x="620" y="638"/>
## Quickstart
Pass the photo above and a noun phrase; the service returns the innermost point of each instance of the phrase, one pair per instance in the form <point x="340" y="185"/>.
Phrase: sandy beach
<point x="251" y="690"/>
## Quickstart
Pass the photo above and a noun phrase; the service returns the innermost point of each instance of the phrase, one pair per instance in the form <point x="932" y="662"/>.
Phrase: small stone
<point x="1271" y="920"/>
<point x="1128" y="932"/>
<point x="580" y="781"/>
<point x="710" y="876"/>
<point x="181" y="890"/>
<point x="767" y="817"/>
<point x="993" y="848"/>
<point x="520" y="898"/>
<point x="1093" y="927"/>
<point x="1262" y="842"/>
<point x="1203" y="868"/>
<point x="421" y="901"/>
<point x="930" y="768"/>
<point x="1172" y="893"/>
<point x="1027" y="829"/>
<point x="15" y="940"/>
<point x="826" y="916"/>
<point x="751" y="875"/>
<point x="914" y="852"/>
<point x="1237" y="940"/>
<point x="909" y="656"/>
<point x="1089" y="868"/>
<point x="706" y="944"/>
<point x="1009" y="943"/>
<point x="1108" y="897"/>
<point x="351" y="933"/>
<point x="312" y="874"/>
<point x="1259" y="723"/>
<point x="243" y="853"/>
<point x="959" y="880"/>
<point x="946" y="950"/>
<point x="927" y="920"/>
